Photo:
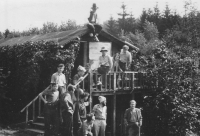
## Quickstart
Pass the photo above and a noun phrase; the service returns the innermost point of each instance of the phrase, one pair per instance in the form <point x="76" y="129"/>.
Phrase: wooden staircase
<point x="116" y="83"/>
<point x="36" y="126"/>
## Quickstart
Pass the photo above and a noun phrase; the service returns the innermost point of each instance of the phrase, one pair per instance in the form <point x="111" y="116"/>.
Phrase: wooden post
<point x="33" y="111"/>
<point x="39" y="106"/>
<point x="110" y="84"/>
<point x="114" y="81"/>
<point x="106" y="82"/>
<point x="114" y="114"/>
<point x="91" y="89"/>
<point x="26" y="115"/>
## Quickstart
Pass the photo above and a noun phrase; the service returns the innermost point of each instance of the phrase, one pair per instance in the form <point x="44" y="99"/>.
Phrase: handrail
<point x="33" y="100"/>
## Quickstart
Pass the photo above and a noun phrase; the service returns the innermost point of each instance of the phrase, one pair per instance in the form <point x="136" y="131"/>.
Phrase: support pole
<point x="114" y="114"/>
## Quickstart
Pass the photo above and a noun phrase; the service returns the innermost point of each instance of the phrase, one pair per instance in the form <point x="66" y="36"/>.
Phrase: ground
<point x="15" y="132"/>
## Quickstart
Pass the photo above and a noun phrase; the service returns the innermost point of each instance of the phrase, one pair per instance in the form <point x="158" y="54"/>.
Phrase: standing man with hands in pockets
<point x="133" y="119"/>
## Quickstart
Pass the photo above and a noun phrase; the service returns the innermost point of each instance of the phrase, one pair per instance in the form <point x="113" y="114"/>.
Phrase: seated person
<point x="87" y="125"/>
<point x="105" y="64"/>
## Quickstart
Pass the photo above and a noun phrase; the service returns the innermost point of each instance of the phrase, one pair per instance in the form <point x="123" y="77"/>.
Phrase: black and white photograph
<point x="99" y="67"/>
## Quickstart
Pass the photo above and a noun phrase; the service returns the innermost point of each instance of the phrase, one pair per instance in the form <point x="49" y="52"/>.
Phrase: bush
<point x="31" y="65"/>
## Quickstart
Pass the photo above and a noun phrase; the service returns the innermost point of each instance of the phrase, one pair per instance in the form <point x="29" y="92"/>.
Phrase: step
<point x="35" y="130"/>
<point x="40" y="119"/>
<point x="37" y="125"/>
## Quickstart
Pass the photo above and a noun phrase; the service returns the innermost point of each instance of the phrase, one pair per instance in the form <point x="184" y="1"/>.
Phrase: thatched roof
<point x="61" y="37"/>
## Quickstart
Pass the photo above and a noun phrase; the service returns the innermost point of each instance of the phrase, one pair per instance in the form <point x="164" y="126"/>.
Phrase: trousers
<point x="67" y="125"/>
<point x="133" y="129"/>
<point x="99" y="127"/>
<point x="51" y="120"/>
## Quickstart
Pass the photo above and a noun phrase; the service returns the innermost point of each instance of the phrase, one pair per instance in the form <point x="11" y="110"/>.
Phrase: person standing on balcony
<point x="105" y="63"/>
<point x="100" y="112"/>
<point x="51" y="110"/>
<point x="125" y="59"/>
<point x="67" y="110"/>
<point x="132" y="119"/>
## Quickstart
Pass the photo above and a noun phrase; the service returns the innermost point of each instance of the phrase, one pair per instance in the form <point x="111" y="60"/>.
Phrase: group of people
<point x="121" y="62"/>
<point x="65" y="111"/>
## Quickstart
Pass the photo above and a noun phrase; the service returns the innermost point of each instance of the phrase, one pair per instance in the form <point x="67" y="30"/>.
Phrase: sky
<point x="21" y="15"/>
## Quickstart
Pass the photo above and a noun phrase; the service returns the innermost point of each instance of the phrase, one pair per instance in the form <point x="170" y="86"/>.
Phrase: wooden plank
<point x="39" y="106"/>
<point x="33" y="111"/>
<point x="110" y="82"/>
<point x="26" y="115"/>
<point x="105" y="82"/>
<point x="114" y="81"/>
<point x="91" y="90"/>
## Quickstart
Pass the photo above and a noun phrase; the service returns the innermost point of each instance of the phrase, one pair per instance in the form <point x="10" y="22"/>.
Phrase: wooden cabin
<point x="117" y="91"/>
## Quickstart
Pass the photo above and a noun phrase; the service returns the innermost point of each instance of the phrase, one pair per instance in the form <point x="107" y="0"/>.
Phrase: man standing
<point x="132" y="119"/>
<point x="125" y="58"/>
<point x="67" y="110"/>
<point x="51" y="111"/>
<point x="59" y="78"/>
<point x="100" y="112"/>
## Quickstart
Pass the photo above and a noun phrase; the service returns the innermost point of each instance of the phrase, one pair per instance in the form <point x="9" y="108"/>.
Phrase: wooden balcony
<point x="115" y="83"/>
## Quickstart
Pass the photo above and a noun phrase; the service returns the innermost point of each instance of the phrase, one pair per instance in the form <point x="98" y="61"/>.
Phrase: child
<point x="51" y="111"/>
<point x="59" y="78"/>
<point x="79" y="77"/>
<point x="87" y="125"/>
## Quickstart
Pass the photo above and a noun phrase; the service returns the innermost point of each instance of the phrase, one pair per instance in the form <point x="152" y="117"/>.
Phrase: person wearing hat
<point x="125" y="58"/>
<point x="78" y="77"/>
<point x="105" y="63"/>
<point x="132" y="119"/>
<point x="100" y="112"/>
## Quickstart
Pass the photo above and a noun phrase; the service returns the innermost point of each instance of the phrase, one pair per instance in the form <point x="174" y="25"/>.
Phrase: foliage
<point x="31" y="65"/>
<point x="173" y="107"/>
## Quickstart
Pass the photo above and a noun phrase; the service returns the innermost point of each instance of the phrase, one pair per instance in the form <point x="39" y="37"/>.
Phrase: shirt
<point x="51" y="96"/>
<point x="105" y="60"/>
<point x="132" y="116"/>
<point x="58" y="78"/>
<point x="86" y="127"/>
<point x="100" y="112"/>
<point x="125" y="57"/>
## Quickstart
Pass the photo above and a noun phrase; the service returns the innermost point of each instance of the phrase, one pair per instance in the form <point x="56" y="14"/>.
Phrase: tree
<point x="112" y="26"/>
<point x="6" y="33"/>
<point x="1" y="35"/>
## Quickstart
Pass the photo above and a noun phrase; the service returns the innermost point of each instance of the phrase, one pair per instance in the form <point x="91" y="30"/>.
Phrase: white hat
<point x="80" y="68"/>
<point x="125" y="47"/>
<point x="102" y="98"/>
<point x="103" y="49"/>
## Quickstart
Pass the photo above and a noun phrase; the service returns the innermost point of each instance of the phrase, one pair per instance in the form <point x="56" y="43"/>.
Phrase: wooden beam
<point x="114" y="115"/>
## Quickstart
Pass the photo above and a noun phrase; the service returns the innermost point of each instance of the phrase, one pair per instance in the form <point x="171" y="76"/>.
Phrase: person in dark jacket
<point x="132" y="119"/>
<point x="67" y="110"/>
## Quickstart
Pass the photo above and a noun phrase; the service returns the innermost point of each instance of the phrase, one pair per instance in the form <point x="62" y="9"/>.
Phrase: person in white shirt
<point x="59" y="78"/>
<point x="125" y="58"/>
<point x="105" y="64"/>
<point x="100" y="113"/>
